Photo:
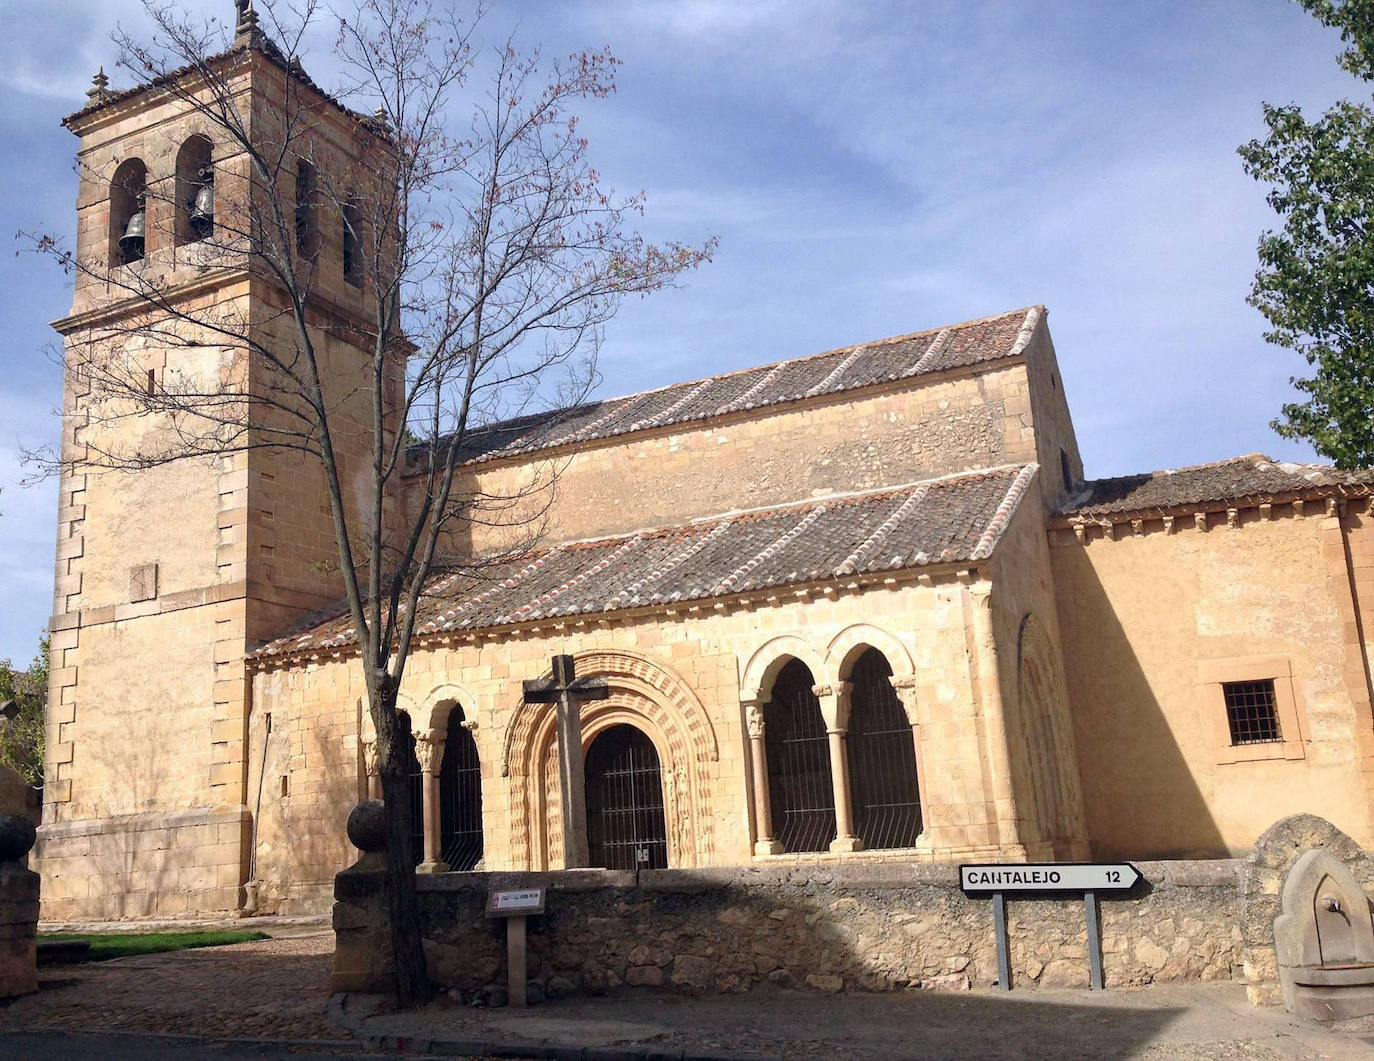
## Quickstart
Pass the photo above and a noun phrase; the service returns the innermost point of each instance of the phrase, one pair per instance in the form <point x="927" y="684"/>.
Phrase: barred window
<point x="1252" y="712"/>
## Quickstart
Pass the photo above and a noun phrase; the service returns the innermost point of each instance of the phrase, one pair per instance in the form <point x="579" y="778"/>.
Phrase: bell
<point x="131" y="243"/>
<point x="203" y="208"/>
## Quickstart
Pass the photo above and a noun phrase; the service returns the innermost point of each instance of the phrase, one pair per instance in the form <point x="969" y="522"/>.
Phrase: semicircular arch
<point x="768" y="659"/>
<point x="850" y="643"/>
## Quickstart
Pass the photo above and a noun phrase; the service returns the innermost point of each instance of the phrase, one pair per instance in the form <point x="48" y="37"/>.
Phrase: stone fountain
<point x="1324" y="940"/>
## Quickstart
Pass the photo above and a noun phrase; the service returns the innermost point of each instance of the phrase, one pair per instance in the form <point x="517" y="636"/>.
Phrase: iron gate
<point x="882" y="759"/>
<point x="460" y="798"/>
<point x="799" y="780"/>
<point x="626" y="828"/>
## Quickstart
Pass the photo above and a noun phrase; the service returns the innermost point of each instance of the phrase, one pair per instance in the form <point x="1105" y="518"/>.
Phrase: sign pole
<point x="515" y="959"/>
<point x="999" y="919"/>
<point x="1094" y="941"/>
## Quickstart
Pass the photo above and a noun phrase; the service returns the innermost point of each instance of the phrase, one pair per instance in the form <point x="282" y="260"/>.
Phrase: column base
<point x="767" y="847"/>
<point x="844" y="844"/>
<point x="431" y="867"/>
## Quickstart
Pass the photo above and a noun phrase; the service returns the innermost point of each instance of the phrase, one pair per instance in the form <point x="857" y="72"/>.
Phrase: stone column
<point x="372" y="770"/>
<point x="429" y="749"/>
<point x="1007" y="820"/>
<point x="18" y="909"/>
<point x="765" y="843"/>
<point x="835" y="707"/>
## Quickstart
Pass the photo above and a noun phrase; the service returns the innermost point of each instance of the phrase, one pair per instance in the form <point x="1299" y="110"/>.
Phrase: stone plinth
<point x="363" y="958"/>
<point x="18" y="909"/>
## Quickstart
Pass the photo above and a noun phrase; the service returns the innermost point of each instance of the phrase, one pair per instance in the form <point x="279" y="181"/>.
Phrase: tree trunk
<point x="396" y="751"/>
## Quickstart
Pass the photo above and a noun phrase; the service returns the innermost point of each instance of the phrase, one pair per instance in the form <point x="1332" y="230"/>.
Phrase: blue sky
<point x="870" y="169"/>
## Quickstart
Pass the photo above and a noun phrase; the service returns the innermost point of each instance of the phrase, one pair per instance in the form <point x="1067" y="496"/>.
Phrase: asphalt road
<point x="71" y="1046"/>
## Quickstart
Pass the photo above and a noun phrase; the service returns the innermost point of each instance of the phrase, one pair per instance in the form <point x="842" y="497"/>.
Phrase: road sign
<point x="516" y="903"/>
<point x="986" y="878"/>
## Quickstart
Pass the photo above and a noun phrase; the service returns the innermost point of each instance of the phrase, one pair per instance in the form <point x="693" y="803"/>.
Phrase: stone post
<point x="429" y="750"/>
<point x="835" y="707"/>
<point x="18" y="909"/>
<point x="765" y="843"/>
<point x="362" y="928"/>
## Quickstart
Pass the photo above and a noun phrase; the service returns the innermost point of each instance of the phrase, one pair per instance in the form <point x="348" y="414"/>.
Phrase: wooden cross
<point x="568" y="691"/>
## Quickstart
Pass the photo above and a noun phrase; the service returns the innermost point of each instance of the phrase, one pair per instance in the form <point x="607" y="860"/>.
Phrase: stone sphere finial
<point x="367" y="826"/>
<point x="17" y="836"/>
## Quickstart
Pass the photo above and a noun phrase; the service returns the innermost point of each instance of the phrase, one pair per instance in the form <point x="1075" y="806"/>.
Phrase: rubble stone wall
<point x="877" y="927"/>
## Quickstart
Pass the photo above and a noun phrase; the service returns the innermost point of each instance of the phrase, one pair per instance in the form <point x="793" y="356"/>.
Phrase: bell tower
<point x="169" y="571"/>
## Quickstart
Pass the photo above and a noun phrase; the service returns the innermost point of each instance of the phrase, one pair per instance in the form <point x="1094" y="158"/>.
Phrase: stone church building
<point x="856" y="605"/>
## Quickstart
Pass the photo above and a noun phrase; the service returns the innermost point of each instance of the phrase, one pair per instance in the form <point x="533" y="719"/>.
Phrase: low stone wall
<point x="870" y="927"/>
<point x="181" y="864"/>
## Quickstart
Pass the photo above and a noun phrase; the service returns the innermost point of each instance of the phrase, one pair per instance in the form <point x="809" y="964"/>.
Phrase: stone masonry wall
<point x="826" y="928"/>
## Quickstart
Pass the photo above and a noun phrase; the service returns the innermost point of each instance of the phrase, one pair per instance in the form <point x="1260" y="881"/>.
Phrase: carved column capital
<point x="753" y="719"/>
<point x="835" y="703"/>
<point x="370" y="764"/>
<point x="430" y="753"/>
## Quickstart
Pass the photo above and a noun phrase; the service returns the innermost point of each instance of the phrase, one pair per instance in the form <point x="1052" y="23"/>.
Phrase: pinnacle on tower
<point x="100" y="87"/>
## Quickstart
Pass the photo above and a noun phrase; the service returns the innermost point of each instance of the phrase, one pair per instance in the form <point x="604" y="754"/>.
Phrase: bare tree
<point x="475" y="231"/>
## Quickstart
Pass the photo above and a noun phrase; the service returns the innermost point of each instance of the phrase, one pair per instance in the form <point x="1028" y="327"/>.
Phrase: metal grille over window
<point x="460" y="798"/>
<point x="799" y="779"/>
<point x="626" y="827"/>
<point x="882" y="759"/>
<point x="417" y="803"/>
<point x="1252" y="712"/>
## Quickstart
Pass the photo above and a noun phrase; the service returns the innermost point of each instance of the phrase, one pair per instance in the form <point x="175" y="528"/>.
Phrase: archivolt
<point x="1046" y="734"/>
<point x="757" y="680"/>
<point x="644" y="693"/>
<point x="846" y="646"/>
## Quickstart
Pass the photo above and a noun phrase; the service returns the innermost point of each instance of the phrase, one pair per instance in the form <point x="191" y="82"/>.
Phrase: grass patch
<point x="107" y="945"/>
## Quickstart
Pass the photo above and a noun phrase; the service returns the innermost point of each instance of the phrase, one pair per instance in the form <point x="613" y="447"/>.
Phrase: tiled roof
<point x="257" y="42"/>
<point x="883" y="360"/>
<point x="950" y="520"/>
<point x="1251" y="476"/>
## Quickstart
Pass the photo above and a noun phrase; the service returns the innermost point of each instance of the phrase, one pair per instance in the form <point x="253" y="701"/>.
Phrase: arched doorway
<point x="626" y="827"/>
<point x="798" y="750"/>
<point x="460" y="798"/>
<point x="882" y="758"/>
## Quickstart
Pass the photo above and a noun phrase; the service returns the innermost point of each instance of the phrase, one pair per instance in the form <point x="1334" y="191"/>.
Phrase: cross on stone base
<point x="569" y="691"/>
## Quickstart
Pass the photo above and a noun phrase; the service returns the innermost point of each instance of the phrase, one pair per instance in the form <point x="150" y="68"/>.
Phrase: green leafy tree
<point x="21" y="735"/>
<point x="1315" y="283"/>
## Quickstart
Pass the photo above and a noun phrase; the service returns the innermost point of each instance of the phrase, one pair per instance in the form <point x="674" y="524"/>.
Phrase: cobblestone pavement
<point x="269" y="989"/>
<point x="1169" y="1022"/>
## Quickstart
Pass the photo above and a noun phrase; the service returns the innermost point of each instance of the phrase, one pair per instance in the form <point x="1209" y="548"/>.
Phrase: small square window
<point x="1252" y="713"/>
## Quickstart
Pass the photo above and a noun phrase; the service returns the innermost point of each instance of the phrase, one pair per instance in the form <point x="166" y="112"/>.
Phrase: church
<point x="857" y="605"/>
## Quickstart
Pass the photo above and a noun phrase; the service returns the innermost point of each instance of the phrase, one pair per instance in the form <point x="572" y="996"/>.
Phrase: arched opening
<point x="195" y="213"/>
<point x="353" y="243"/>
<point x="799" y="779"/>
<point x="626" y="825"/>
<point x="1047" y="741"/>
<point x="416" y="779"/>
<point x="128" y="212"/>
<point x="307" y="217"/>
<point x="460" y="798"/>
<point x="882" y="758"/>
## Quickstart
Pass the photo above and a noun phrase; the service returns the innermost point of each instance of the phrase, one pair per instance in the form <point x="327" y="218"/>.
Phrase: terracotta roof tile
<point x="954" y="519"/>
<point x="1250" y="476"/>
<point x="831" y="372"/>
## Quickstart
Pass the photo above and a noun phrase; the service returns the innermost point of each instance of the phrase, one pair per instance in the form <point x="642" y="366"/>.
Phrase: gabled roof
<point x="955" y="519"/>
<point x="1254" y="476"/>
<point x="963" y="345"/>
